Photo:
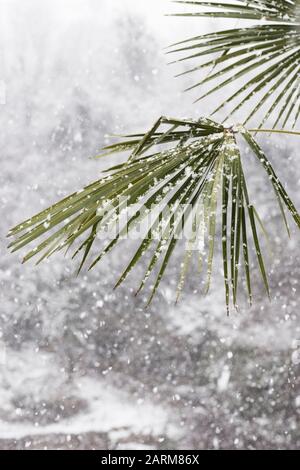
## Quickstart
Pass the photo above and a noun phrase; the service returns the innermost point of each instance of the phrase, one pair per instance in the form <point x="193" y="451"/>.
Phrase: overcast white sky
<point x="49" y="47"/>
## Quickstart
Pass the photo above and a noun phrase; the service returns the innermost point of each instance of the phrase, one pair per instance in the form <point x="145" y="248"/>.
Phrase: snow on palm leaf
<point x="265" y="54"/>
<point x="178" y="173"/>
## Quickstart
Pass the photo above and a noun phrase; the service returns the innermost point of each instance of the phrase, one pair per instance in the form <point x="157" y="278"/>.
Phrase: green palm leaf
<point x="266" y="54"/>
<point x="181" y="173"/>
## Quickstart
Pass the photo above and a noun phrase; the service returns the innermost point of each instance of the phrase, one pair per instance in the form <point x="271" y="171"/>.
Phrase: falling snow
<point x="83" y="366"/>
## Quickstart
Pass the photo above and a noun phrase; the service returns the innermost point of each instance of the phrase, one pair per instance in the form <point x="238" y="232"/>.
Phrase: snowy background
<point x="84" y="367"/>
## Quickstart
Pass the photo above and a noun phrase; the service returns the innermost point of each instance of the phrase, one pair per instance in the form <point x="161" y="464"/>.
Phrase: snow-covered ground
<point x="82" y="366"/>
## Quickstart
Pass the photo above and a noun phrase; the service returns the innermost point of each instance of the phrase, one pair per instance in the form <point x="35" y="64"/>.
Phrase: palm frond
<point x="181" y="173"/>
<point x="266" y="54"/>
